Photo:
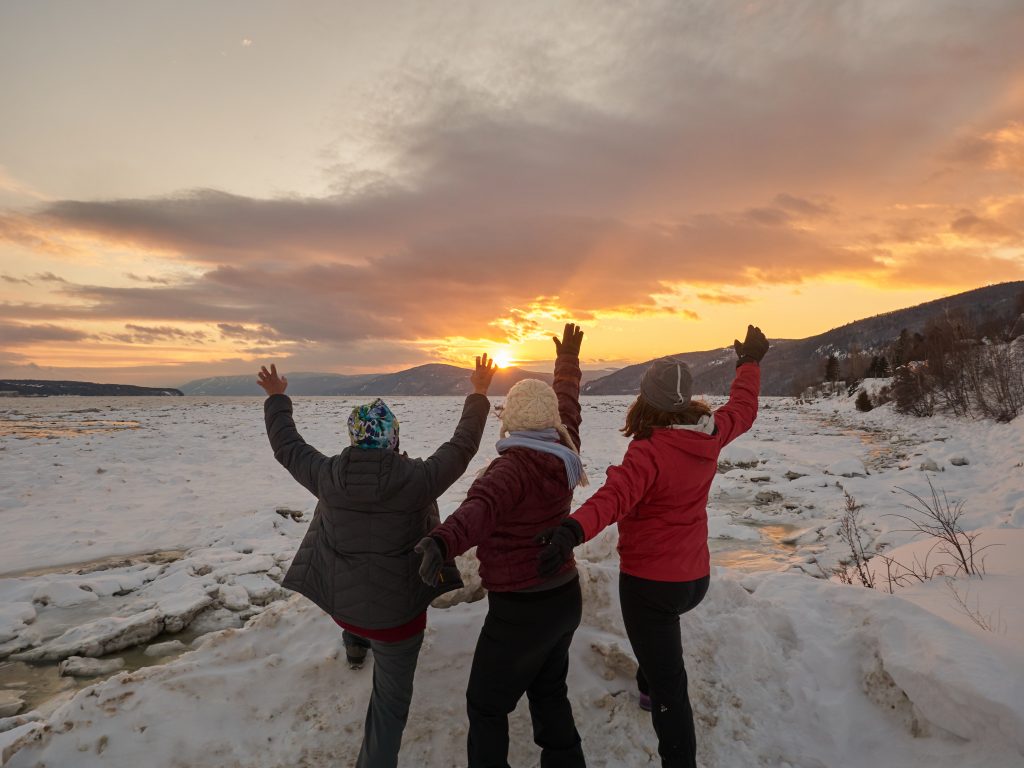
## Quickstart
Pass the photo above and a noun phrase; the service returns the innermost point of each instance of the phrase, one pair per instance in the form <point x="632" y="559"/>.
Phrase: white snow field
<point x="142" y="624"/>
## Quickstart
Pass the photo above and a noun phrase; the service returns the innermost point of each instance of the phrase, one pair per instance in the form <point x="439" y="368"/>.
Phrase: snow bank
<point x="784" y="670"/>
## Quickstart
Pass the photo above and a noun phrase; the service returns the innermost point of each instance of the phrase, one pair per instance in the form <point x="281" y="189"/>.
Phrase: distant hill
<point x="298" y="384"/>
<point x="791" y="361"/>
<point x="40" y="388"/>
<point x="430" y="379"/>
<point x="790" y="364"/>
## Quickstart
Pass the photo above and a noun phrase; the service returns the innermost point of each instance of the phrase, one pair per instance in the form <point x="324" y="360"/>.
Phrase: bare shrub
<point x="987" y="622"/>
<point x="999" y="389"/>
<point x="940" y="518"/>
<point x="850" y="533"/>
<point x="863" y="402"/>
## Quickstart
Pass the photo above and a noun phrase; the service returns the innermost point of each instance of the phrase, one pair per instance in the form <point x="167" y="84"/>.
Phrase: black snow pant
<point x="524" y="648"/>
<point x="651" y="611"/>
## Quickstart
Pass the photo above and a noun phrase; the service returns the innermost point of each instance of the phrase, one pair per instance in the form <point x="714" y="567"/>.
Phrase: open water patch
<point x="773" y="550"/>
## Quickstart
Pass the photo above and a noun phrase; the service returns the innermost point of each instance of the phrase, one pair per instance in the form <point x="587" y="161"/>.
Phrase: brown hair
<point x="642" y="417"/>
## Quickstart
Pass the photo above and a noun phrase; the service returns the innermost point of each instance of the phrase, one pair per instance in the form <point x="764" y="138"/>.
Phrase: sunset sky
<point x="194" y="188"/>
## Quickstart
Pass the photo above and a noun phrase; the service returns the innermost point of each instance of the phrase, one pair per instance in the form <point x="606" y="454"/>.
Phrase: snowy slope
<point x="785" y="669"/>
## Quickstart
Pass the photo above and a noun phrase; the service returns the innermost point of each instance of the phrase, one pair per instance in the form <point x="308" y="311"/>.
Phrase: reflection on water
<point x="770" y="553"/>
<point x="37" y="684"/>
<point x="83" y="567"/>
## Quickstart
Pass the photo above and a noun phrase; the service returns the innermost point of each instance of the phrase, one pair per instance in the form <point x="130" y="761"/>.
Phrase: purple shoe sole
<point x="645" y="702"/>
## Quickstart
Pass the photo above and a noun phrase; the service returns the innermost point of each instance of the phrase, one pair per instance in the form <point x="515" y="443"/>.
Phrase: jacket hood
<point x="695" y="443"/>
<point x="370" y="475"/>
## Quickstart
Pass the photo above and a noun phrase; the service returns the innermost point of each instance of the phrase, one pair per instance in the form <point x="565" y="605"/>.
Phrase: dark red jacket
<point x="522" y="493"/>
<point x="659" y="494"/>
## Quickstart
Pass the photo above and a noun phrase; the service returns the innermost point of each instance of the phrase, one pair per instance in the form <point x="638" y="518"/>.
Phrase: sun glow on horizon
<point x="502" y="358"/>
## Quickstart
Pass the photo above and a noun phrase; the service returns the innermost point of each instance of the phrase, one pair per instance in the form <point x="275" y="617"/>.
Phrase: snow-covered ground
<point x="129" y="524"/>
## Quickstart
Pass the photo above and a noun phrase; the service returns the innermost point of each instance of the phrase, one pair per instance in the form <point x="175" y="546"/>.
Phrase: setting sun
<point x="502" y="358"/>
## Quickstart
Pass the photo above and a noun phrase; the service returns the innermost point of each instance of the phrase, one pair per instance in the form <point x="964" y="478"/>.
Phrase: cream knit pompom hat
<point x="532" y="404"/>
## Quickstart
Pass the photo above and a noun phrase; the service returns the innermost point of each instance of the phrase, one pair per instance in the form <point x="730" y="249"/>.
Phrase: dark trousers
<point x="524" y="648"/>
<point x="651" y="611"/>
<point x="394" y="667"/>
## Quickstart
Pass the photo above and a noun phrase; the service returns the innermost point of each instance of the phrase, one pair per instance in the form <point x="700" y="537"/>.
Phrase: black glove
<point x="559" y="542"/>
<point x="753" y="348"/>
<point x="433" y="550"/>
<point x="572" y="339"/>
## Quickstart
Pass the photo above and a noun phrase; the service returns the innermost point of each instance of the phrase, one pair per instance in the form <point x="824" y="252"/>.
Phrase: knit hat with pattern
<point x="373" y="426"/>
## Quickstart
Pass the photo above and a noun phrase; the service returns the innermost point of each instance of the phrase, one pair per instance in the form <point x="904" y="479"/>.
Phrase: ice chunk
<point x="10" y="703"/>
<point x="851" y="467"/>
<point x="261" y="589"/>
<point x="99" y="637"/>
<point x="80" y="666"/>
<point x="214" y="621"/>
<point x="13" y="618"/>
<point x="170" y="648"/>
<point x="234" y="597"/>
<point x="63" y="594"/>
<point x="250" y="564"/>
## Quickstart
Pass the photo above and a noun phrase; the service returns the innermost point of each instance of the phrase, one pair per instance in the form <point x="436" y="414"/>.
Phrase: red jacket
<point x="659" y="494"/>
<point x="522" y="493"/>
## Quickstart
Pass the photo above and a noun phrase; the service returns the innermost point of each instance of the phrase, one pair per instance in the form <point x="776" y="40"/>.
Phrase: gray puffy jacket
<point x="357" y="561"/>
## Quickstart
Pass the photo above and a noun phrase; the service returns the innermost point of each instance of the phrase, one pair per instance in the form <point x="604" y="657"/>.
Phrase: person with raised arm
<point x="658" y="496"/>
<point x="524" y="643"/>
<point x="356" y="561"/>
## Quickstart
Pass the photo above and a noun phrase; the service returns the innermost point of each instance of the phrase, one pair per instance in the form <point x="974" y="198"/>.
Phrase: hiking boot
<point x="355" y="655"/>
<point x="645" y="702"/>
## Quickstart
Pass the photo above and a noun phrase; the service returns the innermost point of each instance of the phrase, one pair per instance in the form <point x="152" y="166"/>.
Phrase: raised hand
<point x="572" y="338"/>
<point x="272" y="383"/>
<point x="482" y="376"/>
<point x="754" y="347"/>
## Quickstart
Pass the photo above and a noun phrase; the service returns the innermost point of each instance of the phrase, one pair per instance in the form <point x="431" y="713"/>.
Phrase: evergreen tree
<point x="832" y="369"/>
<point x="863" y="402"/>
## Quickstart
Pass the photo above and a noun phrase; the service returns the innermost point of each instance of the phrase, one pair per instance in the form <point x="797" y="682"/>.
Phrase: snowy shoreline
<point x="785" y="669"/>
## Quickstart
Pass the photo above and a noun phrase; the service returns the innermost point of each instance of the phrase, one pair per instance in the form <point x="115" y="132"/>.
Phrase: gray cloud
<point x="143" y="334"/>
<point x="19" y="334"/>
<point x="603" y="174"/>
<point x="48" y="277"/>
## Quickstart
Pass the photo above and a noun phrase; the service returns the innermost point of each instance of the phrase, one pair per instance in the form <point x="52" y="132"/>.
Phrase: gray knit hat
<point x="667" y="385"/>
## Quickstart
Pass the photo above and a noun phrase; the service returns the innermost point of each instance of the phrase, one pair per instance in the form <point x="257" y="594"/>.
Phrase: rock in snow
<point x="929" y="465"/>
<point x="959" y="461"/>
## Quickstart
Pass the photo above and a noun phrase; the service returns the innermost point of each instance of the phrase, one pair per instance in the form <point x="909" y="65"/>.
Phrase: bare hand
<point x="572" y="338"/>
<point x="272" y="383"/>
<point x="481" y="377"/>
